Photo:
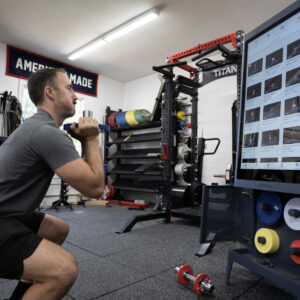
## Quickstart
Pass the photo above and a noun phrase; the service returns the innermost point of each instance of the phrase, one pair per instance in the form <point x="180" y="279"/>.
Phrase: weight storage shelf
<point x="149" y="186"/>
<point x="131" y="169"/>
<point x="142" y="170"/>
<point x="137" y="127"/>
<point x="136" y="138"/>
<point x="281" y="274"/>
<point x="136" y="153"/>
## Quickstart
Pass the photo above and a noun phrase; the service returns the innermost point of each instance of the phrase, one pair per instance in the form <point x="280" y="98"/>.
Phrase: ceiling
<point x="56" y="28"/>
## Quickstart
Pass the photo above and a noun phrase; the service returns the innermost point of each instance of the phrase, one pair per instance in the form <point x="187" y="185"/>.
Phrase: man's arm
<point x="85" y="176"/>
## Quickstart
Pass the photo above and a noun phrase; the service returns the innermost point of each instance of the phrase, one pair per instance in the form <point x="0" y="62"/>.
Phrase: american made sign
<point x="21" y="63"/>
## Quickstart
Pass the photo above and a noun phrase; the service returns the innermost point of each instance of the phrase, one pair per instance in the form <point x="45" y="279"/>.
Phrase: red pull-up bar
<point x="223" y="40"/>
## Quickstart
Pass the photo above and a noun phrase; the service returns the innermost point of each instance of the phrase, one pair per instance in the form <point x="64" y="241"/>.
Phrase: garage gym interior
<point x="197" y="105"/>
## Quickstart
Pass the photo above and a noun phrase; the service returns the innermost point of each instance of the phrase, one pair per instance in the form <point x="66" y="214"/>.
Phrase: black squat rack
<point x="172" y="87"/>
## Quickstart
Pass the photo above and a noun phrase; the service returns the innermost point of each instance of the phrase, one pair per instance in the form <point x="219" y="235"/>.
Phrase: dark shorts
<point x="18" y="240"/>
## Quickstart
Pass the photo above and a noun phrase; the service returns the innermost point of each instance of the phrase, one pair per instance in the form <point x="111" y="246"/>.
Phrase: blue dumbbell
<point x="101" y="127"/>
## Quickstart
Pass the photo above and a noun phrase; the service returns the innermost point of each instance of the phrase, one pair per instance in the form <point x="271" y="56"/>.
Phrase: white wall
<point x="7" y="83"/>
<point x="141" y="93"/>
<point x="214" y="119"/>
<point x="110" y="93"/>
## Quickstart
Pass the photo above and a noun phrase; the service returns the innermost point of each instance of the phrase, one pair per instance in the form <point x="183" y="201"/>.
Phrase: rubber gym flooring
<point x="140" y="264"/>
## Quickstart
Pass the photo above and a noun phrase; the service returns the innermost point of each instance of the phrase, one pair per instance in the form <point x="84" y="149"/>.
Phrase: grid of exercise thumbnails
<point x="271" y="125"/>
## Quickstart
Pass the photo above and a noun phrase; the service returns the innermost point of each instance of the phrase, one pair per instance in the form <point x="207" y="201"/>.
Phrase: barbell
<point x="101" y="126"/>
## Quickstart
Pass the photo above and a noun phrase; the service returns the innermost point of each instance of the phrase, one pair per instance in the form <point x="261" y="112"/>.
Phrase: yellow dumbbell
<point x="266" y="240"/>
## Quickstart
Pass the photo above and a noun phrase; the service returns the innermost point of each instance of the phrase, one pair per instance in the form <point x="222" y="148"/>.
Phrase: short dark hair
<point x="37" y="82"/>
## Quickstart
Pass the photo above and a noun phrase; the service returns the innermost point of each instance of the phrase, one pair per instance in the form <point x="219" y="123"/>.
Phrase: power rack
<point x="169" y="133"/>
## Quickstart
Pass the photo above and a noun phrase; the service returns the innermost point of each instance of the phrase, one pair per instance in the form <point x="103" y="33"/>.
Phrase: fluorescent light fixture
<point x="115" y="33"/>
<point x="86" y="48"/>
<point x="131" y="25"/>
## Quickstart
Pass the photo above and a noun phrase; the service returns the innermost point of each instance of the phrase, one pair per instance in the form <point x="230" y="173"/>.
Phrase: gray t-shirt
<point x="28" y="159"/>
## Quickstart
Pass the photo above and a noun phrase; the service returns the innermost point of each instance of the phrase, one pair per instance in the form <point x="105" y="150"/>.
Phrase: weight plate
<point x="266" y="240"/>
<point x="179" y="106"/>
<point x="106" y="193"/>
<point x="179" y="168"/>
<point x="187" y="175"/>
<point x="189" y="142"/>
<point x="188" y="157"/>
<point x="180" y="274"/>
<point x="295" y="257"/>
<point x="181" y="137"/>
<point x="181" y="150"/>
<point x="109" y="195"/>
<point x="181" y="125"/>
<point x="291" y="213"/>
<point x="197" y="283"/>
<point x="268" y="208"/>
<point x="181" y="115"/>
<point x="112" y="192"/>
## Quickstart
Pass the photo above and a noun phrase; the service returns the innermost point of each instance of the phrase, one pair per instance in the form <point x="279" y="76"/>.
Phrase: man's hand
<point x="88" y="128"/>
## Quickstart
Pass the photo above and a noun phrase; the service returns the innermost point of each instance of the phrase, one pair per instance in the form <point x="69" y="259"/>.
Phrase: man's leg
<point x="53" y="229"/>
<point x="52" y="268"/>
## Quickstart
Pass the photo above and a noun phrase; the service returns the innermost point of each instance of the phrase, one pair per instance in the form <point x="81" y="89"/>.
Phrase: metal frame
<point x="169" y="121"/>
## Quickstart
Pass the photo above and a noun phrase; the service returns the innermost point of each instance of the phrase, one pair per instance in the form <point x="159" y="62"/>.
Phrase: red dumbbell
<point x="202" y="284"/>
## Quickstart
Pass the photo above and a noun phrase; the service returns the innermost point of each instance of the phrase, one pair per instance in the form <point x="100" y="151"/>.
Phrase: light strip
<point x="87" y="48"/>
<point x="131" y="25"/>
<point x="115" y="33"/>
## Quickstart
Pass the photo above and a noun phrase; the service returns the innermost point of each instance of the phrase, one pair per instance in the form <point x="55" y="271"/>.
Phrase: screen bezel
<point x="286" y="181"/>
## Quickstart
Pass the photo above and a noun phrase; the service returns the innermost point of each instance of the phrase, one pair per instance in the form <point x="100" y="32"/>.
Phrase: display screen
<point x="270" y="131"/>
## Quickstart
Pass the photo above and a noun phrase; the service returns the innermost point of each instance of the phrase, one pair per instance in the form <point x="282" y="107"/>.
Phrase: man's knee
<point x="50" y="264"/>
<point x="68" y="271"/>
<point x="63" y="230"/>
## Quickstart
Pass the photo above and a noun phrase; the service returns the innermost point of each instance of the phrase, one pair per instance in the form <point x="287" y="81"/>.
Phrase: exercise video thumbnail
<point x="292" y="77"/>
<point x="270" y="138"/>
<point x="291" y="159"/>
<point x="271" y="111"/>
<point x="249" y="160"/>
<point x="255" y="67"/>
<point x="274" y="58"/>
<point x="252" y="115"/>
<point x="273" y="84"/>
<point x="251" y="140"/>
<point x="292" y="106"/>
<point x="291" y="135"/>
<point x="254" y="91"/>
<point x="269" y="159"/>
<point x="293" y="49"/>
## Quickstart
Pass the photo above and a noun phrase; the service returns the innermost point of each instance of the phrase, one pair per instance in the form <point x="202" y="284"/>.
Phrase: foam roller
<point x="130" y="118"/>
